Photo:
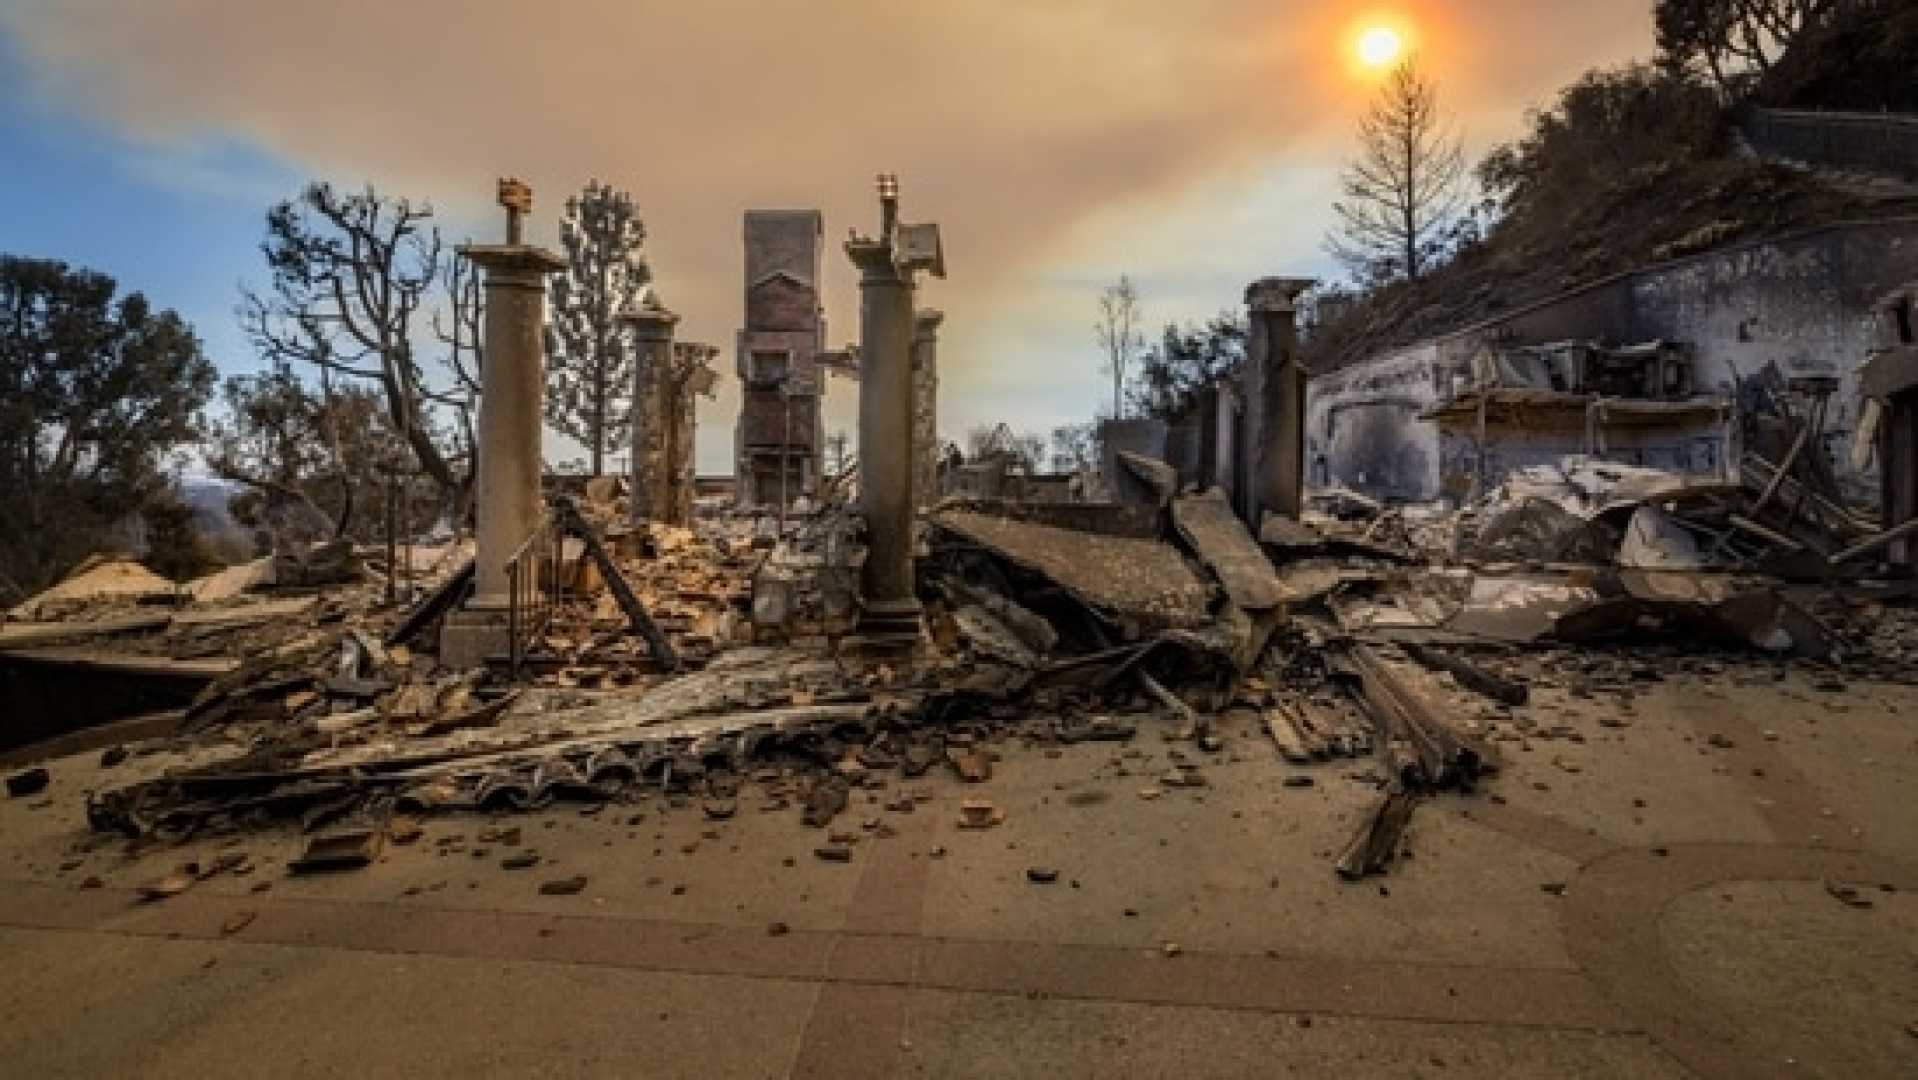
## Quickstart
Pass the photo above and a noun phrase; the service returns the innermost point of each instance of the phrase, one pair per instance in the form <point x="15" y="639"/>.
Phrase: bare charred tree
<point x="1405" y="187"/>
<point x="589" y="365"/>
<point x="272" y="439"/>
<point x="351" y="274"/>
<point x="302" y="453"/>
<point x="1117" y="332"/>
<point x="458" y="328"/>
<point x="1075" y="447"/>
<point x="1736" y="42"/>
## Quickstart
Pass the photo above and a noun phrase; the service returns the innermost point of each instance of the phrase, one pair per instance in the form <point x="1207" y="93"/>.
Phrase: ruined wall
<point x="1801" y="302"/>
<point x="783" y="249"/>
<point x="1138" y="435"/>
<point x="1698" y="446"/>
<point x="925" y="407"/>
<point x="1803" y="305"/>
<point x="1361" y="429"/>
<point x="664" y="436"/>
<point x="1883" y="142"/>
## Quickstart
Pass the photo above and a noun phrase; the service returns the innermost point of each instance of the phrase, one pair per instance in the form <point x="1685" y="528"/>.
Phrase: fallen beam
<point x="1889" y="536"/>
<point x="25" y="634"/>
<point x="1376" y="841"/>
<point x="1469" y="675"/>
<point x="1190" y="723"/>
<point x="636" y="614"/>
<point x="437" y="603"/>
<point x="1445" y="760"/>
<point x="1278" y="724"/>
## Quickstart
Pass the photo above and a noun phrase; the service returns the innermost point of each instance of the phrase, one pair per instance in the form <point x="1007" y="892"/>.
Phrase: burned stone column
<point x="692" y="376"/>
<point x="1890" y="380"/>
<point x="1275" y="401"/>
<point x="925" y="406"/>
<point x="512" y="398"/>
<point x="885" y="434"/>
<point x="653" y="342"/>
<point x="886" y="266"/>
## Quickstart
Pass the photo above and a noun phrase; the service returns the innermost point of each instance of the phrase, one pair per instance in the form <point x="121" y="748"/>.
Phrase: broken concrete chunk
<point x="979" y="814"/>
<point x="30" y="782"/>
<point x="833" y="853"/>
<point x="824" y="802"/>
<point x="563" y="886"/>
<point x="173" y="884"/>
<point x="1207" y="523"/>
<point x="344" y="849"/>
<point x="973" y="766"/>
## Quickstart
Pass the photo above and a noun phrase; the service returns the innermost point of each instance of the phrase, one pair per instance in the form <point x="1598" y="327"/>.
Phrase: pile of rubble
<point x="714" y="664"/>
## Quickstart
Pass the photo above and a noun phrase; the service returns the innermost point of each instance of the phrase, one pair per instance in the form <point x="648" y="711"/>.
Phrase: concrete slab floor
<point x="1548" y="927"/>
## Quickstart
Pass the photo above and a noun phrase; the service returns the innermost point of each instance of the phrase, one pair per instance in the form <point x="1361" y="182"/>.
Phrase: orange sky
<point x="1058" y="142"/>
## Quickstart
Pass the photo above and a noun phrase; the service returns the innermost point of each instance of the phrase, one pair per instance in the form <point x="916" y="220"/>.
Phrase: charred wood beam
<point x="1445" y="759"/>
<point x="1376" y="840"/>
<point x="1190" y="722"/>
<point x="1889" y="536"/>
<point x="1469" y="675"/>
<point x="573" y="523"/>
<point x="437" y="603"/>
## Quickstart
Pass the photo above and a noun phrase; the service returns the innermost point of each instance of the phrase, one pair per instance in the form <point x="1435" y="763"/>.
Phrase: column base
<point x="469" y="635"/>
<point x="888" y="626"/>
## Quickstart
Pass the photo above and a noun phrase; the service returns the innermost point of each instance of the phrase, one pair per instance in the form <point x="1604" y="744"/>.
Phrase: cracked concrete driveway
<point x="1640" y="901"/>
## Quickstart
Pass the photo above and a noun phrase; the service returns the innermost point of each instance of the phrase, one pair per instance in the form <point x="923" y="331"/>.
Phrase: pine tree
<point x="589" y="352"/>
<point x="1404" y="190"/>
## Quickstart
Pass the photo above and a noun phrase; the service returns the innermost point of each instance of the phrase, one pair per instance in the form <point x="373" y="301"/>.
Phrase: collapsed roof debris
<point x="1402" y="640"/>
<point x="1140" y="579"/>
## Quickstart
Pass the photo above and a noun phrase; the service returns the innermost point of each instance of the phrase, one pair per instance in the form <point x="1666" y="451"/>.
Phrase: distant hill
<point x="209" y="497"/>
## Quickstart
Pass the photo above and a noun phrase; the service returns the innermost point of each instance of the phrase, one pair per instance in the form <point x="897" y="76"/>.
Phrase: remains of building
<point x="670" y="376"/>
<point x="1643" y="368"/>
<point x="585" y="646"/>
<point x="780" y="435"/>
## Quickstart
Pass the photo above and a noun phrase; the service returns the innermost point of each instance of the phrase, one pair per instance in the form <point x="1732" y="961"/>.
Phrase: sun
<point x="1380" y="46"/>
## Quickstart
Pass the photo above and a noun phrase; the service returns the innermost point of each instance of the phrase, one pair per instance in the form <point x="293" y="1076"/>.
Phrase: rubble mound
<point x="100" y="578"/>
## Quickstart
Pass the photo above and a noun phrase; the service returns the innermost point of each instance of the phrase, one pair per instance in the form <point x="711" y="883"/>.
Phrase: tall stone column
<point x="890" y="617"/>
<point x="925" y="406"/>
<point x="653" y="343"/>
<point x="885" y="440"/>
<point x="512" y="402"/>
<point x="1275" y="405"/>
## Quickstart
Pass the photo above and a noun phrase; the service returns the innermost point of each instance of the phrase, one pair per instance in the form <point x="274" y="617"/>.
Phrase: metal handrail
<point x="529" y="607"/>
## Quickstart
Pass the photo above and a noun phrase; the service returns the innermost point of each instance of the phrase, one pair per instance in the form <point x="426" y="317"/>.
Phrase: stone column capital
<point x="925" y="323"/>
<point x="1276" y="295"/>
<point x="650" y="323"/>
<point x="513" y="265"/>
<point x="874" y="260"/>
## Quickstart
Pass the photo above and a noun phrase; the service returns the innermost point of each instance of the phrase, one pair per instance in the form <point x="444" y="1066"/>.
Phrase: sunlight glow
<point x="1380" y="47"/>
